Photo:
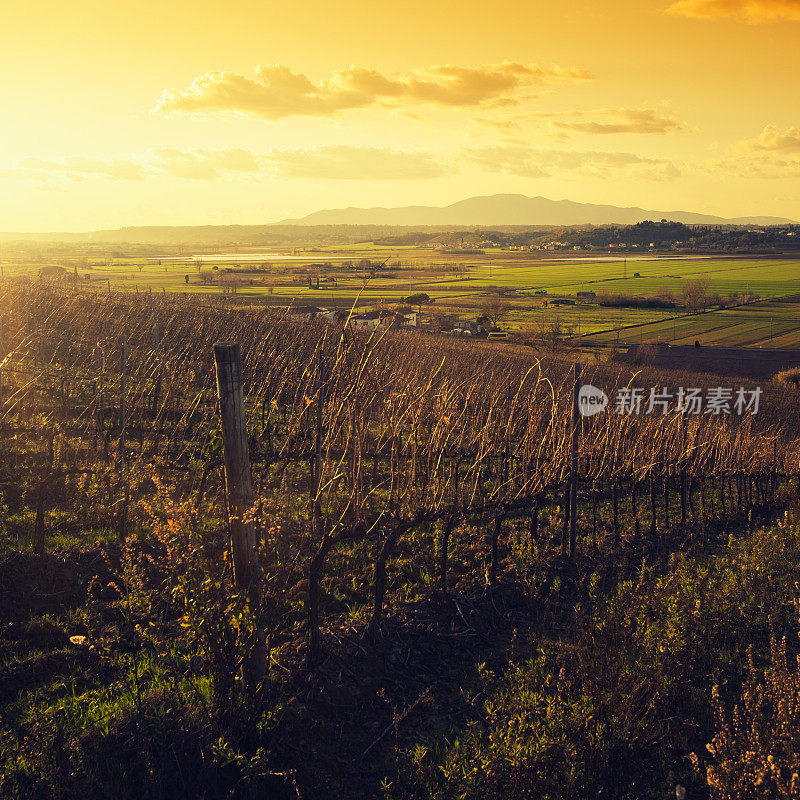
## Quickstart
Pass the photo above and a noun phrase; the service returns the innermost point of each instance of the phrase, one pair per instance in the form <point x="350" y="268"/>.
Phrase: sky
<point x="248" y="112"/>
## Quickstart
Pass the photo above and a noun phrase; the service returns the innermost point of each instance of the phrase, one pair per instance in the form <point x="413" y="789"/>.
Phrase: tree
<point x="229" y="284"/>
<point x="494" y="308"/>
<point x="551" y="334"/>
<point x="695" y="294"/>
<point x="420" y="299"/>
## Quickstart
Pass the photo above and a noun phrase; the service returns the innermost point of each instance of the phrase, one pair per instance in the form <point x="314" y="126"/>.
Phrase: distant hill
<point x="516" y="209"/>
<point x="356" y="224"/>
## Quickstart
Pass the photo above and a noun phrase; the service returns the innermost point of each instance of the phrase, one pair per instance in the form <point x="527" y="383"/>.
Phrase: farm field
<point x="460" y="283"/>
<point x="768" y="324"/>
<point x="419" y="268"/>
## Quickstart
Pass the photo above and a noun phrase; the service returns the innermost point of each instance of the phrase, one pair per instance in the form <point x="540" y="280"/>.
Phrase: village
<point x="400" y="318"/>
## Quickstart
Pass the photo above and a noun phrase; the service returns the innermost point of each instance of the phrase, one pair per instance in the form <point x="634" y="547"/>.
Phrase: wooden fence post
<point x="573" y="478"/>
<point x="99" y="384"/>
<point x="317" y="524"/>
<point x="159" y="362"/>
<point x="683" y="467"/>
<point x="122" y="404"/>
<point x="2" y="352"/>
<point x="653" y="521"/>
<point x="122" y="512"/>
<point x="240" y="497"/>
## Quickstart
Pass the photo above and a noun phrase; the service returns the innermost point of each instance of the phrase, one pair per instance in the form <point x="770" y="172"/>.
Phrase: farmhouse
<point x="370" y="320"/>
<point x="334" y="315"/>
<point x="471" y="327"/>
<point x="307" y="312"/>
<point x="407" y="319"/>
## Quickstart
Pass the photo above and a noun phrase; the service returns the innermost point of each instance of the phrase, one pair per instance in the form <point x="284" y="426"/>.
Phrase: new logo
<point x="591" y="400"/>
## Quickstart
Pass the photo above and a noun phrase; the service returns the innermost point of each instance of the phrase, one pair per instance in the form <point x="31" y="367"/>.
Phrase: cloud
<point x="343" y="162"/>
<point x="79" y="167"/>
<point x="753" y="11"/>
<point x="201" y="164"/>
<point x="277" y="93"/>
<point x="529" y="162"/>
<point x="193" y="164"/>
<point x="613" y="120"/>
<point x="595" y="121"/>
<point x="347" y="162"/>
<point x="504" y="125"/>
<point x="755" y="166"/>
<point x="771" y="154"/>
<point x="772" y="139"/>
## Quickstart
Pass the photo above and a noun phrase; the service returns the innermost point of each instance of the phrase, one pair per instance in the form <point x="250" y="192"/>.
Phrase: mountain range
<point x="498" y="210"/>
<point x="516" y="209"/>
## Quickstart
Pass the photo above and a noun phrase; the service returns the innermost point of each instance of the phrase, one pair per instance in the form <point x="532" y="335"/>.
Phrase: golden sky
<point x="246" y="112"/>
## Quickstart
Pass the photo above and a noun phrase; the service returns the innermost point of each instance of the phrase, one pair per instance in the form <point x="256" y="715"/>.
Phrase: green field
<point x="461" y="283"/>
<point x="768" y="324"/>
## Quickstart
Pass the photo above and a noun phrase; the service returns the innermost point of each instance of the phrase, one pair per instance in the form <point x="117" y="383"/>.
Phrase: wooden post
<point x="101" y="399"/>
<point x="239" y="490"/>
<point x="444" y="546"/>
<point x="122" y="405"/>
<point x="573" y="482"/>
<point x="565" y="526"/>
<point x="2" y="353"/>
<point x="122" y="512"/>
<point x="494" y="550"/>
<point x="534" y="521"/>
<point x="159" y="364"/>
<point x="653" y="523"/>
<point x="683" y="467"/>
<point x="317" y="526"/>
<point x="320" y="393"/>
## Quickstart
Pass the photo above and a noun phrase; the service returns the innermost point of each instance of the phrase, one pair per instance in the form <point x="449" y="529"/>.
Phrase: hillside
<point x="346" y="225"/>
<point x="436" y="622"/>
<point x="516" y="209"/>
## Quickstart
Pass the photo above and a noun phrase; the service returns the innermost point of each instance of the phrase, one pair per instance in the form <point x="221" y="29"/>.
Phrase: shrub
<point x="755" y="753"/>
<point x="789" y="377"/>
<point x="632" y="301"/>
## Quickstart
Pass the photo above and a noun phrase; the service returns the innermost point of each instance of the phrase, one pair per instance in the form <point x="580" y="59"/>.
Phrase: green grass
<point x="462" y="293"/>
<point x="768" y="324"/>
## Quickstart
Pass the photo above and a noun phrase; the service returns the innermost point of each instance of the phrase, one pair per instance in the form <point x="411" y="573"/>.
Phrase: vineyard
<point x="287" y="550"/>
